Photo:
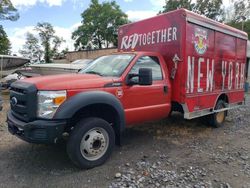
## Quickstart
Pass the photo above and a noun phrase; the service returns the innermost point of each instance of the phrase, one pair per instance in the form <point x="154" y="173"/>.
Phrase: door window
<point x="147" y="62"/>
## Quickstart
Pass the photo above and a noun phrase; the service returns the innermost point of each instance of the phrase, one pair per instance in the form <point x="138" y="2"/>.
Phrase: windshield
<point x="82" y="61"/>
<point x="110" y="65"/>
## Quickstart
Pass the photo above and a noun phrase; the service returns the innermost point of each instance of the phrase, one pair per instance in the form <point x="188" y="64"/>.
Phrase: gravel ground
<point x="169" y="153"/>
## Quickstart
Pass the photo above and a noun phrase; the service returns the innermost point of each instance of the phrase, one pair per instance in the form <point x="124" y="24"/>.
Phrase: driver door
<point x="150" y="102"/>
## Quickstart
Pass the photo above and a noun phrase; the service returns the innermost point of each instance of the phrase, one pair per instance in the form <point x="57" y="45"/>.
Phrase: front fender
<point x="81" y="100"/>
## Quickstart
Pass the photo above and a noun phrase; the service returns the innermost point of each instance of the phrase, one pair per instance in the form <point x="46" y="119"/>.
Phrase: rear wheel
<point x="217" y="119"/>
<point x="91" y="142"/>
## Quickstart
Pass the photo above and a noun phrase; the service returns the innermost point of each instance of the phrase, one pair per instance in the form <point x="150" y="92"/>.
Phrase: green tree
<point x="240" y="16"/>
<point x="100" y="24"/>
<point x="241" y="10"/>
<point x="46" y="33"/>
<point x="31" y="48"/>
<point x="64" y="52"/>
<point x="48" y="39"/>
<point x="57" y="41"/>
<point x="245" y="26"/>
<point x="210" y="8"/>
<point x="175" y="4"/>
<point x="5" y="45"/>
<point x="8" y="11"/>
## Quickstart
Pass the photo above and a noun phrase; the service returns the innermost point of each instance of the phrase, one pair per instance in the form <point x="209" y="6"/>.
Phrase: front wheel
<point x="217" y="119"/>
<point x="91" y="142"/>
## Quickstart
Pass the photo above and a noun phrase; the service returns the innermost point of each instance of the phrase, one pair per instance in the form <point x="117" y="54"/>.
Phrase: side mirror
<point x="145" y="76"/>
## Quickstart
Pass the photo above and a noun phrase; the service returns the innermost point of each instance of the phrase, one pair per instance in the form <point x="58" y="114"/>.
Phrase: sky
<point x="65" y="16"/>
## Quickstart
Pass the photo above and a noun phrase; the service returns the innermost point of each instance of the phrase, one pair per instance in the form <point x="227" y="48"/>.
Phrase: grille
<point x="18" y="90"/>
<point x="23" y="100"/>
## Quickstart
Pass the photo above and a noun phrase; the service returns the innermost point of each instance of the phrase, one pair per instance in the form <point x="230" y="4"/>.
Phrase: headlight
<point x="49" y="101"/>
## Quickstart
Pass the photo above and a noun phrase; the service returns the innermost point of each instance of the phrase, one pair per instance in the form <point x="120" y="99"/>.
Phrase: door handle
<point x="165" y="89"/>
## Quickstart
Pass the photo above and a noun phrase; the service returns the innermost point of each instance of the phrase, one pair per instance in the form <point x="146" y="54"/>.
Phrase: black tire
<point x="88" y="128"/>
<point x="217" y="119"/>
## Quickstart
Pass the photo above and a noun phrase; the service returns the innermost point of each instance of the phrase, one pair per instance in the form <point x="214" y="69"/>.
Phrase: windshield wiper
<point x="93" y="72"/>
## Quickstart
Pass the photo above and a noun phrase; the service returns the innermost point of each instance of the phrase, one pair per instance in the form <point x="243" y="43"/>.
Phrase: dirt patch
<point x="169" y="153"/>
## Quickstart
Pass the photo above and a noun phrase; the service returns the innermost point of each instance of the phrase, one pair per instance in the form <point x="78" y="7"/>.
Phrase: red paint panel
<point x="241" y="49"/>
<point x="150" y="113"/>
<point x="225" y="46"/>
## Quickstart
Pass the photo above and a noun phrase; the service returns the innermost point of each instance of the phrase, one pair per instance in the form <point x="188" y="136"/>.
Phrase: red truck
<point x="178" y="61"/>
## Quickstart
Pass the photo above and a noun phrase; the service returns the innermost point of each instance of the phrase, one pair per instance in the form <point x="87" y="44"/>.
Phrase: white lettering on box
<point x="149" y="38"/>
<point x="210" y="76"/>
<point x="237" y="72"/>
<point x="144" y="40"/>
<point x="190" y="75"/>
<point x="124" y="42"/>
<point x="230" y="76"/>
<point x="163" y="35"/>
<point x="223" y="72"/>
<point x="135" y="40"/>
<point x="174" y="36"/>
<point x="130" y="39"/>
<point x="158" y="36"/>
<point x="242" y="75"/>
<point x="153" y="37"/>
<point x="200" y="75"/>
<point x="169" y="34"/>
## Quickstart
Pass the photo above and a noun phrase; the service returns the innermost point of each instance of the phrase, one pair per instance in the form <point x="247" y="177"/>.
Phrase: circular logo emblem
<point x="200" y="41"/>
<point x="119" y="93"/>
<point x="13" y="101"/>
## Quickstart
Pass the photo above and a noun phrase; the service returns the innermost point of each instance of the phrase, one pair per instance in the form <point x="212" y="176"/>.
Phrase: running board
<point x="204" y="112"/>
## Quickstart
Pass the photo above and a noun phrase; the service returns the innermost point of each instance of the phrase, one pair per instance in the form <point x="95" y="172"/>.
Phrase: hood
<point x="69" y="81"/>
<point x="58" y="66"/>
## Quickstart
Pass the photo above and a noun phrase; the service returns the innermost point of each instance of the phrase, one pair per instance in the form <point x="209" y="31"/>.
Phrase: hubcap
<point x="220" y="117"/>
<point x="94" y="144"/>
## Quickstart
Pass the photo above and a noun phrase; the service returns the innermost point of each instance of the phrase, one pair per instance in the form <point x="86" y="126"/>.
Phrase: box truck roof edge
<point x="199" y="20"/>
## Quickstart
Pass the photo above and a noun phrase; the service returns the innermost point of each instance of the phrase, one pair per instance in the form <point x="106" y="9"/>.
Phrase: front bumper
<point x="38" y="131"/>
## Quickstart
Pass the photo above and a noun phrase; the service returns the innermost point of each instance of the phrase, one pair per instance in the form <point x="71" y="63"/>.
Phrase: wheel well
<point x="177" y="107"/>
<point x="223" y="97"/>
<point x="103" y="111"/>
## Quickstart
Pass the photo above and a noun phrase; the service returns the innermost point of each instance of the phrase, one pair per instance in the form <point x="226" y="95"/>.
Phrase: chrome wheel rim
<point x="94" y="144"/>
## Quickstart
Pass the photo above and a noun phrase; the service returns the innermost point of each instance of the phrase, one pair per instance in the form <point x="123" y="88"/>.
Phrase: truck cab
<point x="178" y="61"/>
<point x="93" y="106"/>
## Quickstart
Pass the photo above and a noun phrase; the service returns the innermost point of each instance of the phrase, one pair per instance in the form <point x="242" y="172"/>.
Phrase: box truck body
<point x="206" y="59"/>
